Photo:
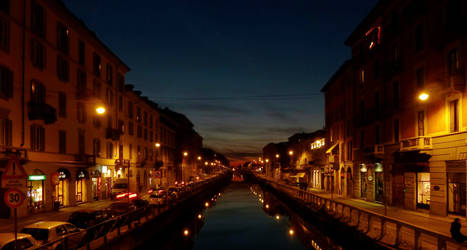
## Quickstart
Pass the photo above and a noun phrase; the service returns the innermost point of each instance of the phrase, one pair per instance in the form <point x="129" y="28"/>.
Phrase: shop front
<point x="80" y="185"/>
<point x="106" y="188"/>
<point x="363" y="181"/>
<point x="36" y="191"/>
<point x="62" y="188"/>
<point x="379" y="182"/>
<point x="456" y="191"/>
<point x="96" y="181"/>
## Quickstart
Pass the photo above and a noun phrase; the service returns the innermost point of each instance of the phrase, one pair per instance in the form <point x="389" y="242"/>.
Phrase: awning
<point x="331" y="148"/>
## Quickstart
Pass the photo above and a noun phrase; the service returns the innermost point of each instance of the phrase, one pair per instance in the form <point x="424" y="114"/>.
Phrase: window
<point x="420" y="77"/>
<point x="362" y="139"/>
<point x="37" y="138"/>
<point x="110" y="150"/>
<point x="120" y="103"/>
<point x="37" y="19"/>
<point x="97" y="65"/>
<point x="151" y="136"/>
<point x="130" y="109"/>
<point x="109" y="121"/>
<point x="4" y="34"/>
<point x="5" y="6"/>
<point x="418" y="38"/>
<point x="120" y="151"/>
<point x="96" y="121"/>
<point x="395" y="53"/>
<point x="109" y="96"/>
<point x="81" y="53"/>
<point x="109" y="74"/>
<point x="454" y="115"/>
<point x="396" y="130"/>
<point x="81" y="82"/>
<point x="81" y="142"/>
<point x="81" y="112"/>
<point x="138" y="114"/>
<point x="377" y="134"/>
<point x="349" y="150"/>
<point x="62" y="104"/>
<point x="96" y="147"/>
<point x="139" y="132"/>
<point x="6" y="132"/>
<point x="377" y="104"/>
<point x="421" y="123"/>
<point x="121" y="82"/>
<point x="145" y="118"/>
<point x="395" y="94"/>
<point x="121" y="126"/>
<point x="145" y="134"/>
<point x="130" y="128"/>
<point x="96" y="88"/>
<point x="37" y="92"/>
<point x="454" y="62"/>
<point x="62" y="141"/>
<point x="62" y="38"/>
<point x="37" y="54"/>
<point x="63" y="69"/>
<point x="6" y="83"/>
<point x="151" y="121"/>
<point x="130" y="151"/>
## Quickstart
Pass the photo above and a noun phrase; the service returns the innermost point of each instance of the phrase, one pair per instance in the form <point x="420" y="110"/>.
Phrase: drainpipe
<point x="23" y="73"/>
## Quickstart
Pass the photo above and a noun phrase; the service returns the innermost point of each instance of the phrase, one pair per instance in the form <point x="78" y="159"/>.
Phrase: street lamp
<point x="158" y="145"/>
<point x="185" y="154"/>
<point x="291" y="152"/>
<point x="100" y="110"/>
<point x="199" y="158"/>
<point x="423" y="96"/>
<point x="267" y="160"/>
<point x="277" y="156"/>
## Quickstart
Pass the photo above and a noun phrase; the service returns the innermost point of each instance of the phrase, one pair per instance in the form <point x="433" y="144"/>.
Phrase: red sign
<point x="13" y="197"/>
<point x="14" y="170"/>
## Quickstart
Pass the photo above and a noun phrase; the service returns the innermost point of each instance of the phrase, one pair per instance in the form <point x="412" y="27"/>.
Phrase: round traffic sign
<point x="13" y="197"/>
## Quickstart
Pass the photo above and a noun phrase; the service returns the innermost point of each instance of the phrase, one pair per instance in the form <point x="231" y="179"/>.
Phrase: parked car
<point x="25" y="241"/>
<point x="158" y="197"/>
<point x="120" y="207"/>
<point x="54" y="233"/>
<point x="88" y="217"/>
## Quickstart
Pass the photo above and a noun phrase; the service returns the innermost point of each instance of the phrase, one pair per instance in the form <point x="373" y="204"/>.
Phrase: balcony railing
<point x="113" y="134"/>
<point x="42" y="111"/>
<point x="416" y="143"/>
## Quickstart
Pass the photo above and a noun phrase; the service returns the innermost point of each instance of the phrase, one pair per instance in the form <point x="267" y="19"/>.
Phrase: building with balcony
<point x="409" y="132"/>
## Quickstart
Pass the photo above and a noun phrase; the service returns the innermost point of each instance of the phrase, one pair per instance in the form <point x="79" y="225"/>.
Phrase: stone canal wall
<point x="365" y="226"/>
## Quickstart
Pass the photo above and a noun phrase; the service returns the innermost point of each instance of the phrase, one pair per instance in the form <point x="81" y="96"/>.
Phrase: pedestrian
<point x="456" y="231"/>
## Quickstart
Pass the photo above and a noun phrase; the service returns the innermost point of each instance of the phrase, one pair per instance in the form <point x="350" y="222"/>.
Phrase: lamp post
<point x="185" y="155"/>
<point x="157" y="145"/>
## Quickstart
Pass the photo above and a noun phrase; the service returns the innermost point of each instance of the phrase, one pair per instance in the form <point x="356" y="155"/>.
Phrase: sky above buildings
<point x="245" y="72"/>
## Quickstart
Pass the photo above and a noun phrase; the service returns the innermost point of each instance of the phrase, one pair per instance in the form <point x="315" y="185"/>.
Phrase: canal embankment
<point x="363" y="224"/>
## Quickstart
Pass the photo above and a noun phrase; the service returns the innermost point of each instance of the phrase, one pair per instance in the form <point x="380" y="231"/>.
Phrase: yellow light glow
<point x="100" y="110"/>
<point x="277" y="217"/>
<point x="267" y="160"/>
<point x="291" y="232"/>
<point x="186" y="232"/>
<point x="277" y="155"/>
<point x="158" y="145"/>
<point x="199" y="158"/>
<point x="200" y="216"/>
<point x="267" y="206"/>
<point x="206" y="204"/>
<point x="185" y="153"/>
<point x="206" y="163"/>
<point x="423" y="96"/>
<point x="290" y="152"/>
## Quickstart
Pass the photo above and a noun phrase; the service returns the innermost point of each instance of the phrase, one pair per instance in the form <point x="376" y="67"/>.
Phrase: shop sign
<point x="36" y="177"/>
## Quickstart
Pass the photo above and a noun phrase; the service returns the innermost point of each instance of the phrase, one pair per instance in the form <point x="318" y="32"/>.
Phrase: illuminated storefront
<point x="36" y="190"/>
<point x="423" y="190"/>
<point x="379" y="182"/>
<point x="80" y="184"/>
<point x="363" y="181"/>
<point x="61" y="190"/>
<point x="96" y="184"/>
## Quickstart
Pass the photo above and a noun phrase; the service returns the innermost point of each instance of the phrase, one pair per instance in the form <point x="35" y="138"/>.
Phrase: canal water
<point x="242" y="216"/>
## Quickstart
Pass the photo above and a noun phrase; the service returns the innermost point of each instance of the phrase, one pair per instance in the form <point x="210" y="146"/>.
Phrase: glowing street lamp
<point x="267" y="160"/>
<point x="291" y="152"/>
<point x="423" y="96"/>
<point x="199" y="158"/>
<point x="100" y="110"/>
<point x="158" y="145"/>
<point x="277" y="156"/>
<point x="185" y="154"/>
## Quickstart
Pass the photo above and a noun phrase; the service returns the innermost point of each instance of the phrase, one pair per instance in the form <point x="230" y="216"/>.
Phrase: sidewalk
<point x="433" y="223"/>
<point x="7" y="225"/>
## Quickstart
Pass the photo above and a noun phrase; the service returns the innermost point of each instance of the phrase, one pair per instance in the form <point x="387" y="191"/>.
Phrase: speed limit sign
<point x="13" y="197"/>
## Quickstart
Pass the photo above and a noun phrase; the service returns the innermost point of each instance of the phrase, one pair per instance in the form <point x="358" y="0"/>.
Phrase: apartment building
<point x="408" y="75"/>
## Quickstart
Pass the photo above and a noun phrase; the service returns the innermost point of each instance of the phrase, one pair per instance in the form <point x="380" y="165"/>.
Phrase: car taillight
<point x="150" y="191"/>
<point x="122" y="195"/>
<point x="133" y="195"/>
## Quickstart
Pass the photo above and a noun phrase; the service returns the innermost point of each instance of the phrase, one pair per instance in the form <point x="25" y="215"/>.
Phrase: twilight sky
<point x="245" y="72"/>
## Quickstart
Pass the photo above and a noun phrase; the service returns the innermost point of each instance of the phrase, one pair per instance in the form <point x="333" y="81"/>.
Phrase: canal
<point x="241" y="216"/>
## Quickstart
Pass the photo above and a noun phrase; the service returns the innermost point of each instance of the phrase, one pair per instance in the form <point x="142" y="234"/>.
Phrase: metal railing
<point x="100" y="234"/>
<point x="387" y="230"/>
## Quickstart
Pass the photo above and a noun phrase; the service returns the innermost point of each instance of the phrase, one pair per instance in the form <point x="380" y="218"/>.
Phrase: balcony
<point x="42" y="111"/>
<point x="113" y="134"/>
<point x="416" y="143"/>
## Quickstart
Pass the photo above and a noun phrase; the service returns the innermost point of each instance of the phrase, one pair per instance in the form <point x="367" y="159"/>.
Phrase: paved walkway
<point x="422" y="219"/>
<point x="7" y="225"/>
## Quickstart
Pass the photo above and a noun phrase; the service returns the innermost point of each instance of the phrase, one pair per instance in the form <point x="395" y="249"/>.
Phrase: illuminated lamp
<point x="423" y="96"/>
<point x="36" y="177"/>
